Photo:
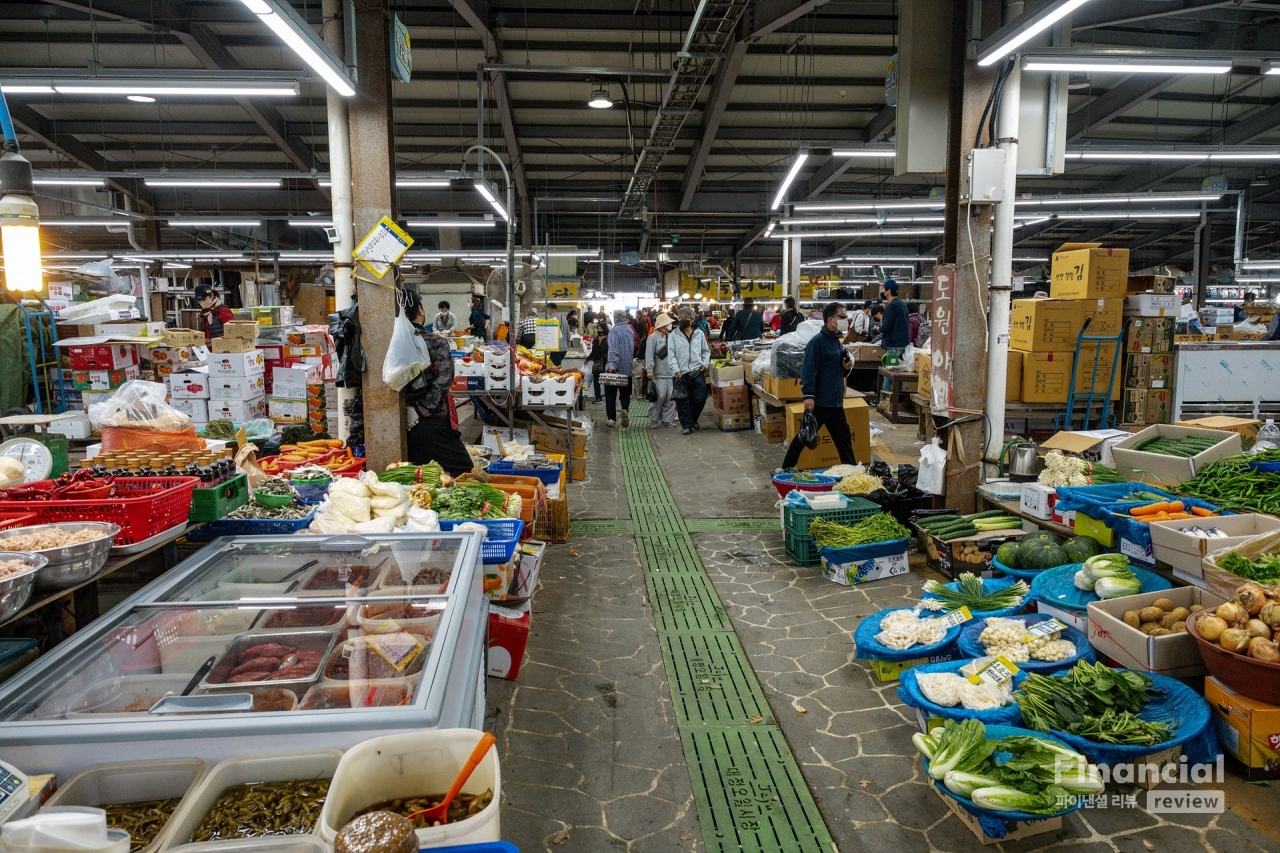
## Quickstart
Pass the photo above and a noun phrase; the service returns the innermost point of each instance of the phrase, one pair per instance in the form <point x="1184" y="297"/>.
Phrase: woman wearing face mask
<point x="822" y="379"/>
<point x="690" y="358"/>
<point x="432" y="419"/>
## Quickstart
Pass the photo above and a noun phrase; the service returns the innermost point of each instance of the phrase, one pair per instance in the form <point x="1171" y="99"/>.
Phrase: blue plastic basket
<point x="248" y="527"/>
<point x="483" y="847"/>
<point x="549" y="476"/>
<point x="504" y="536"/>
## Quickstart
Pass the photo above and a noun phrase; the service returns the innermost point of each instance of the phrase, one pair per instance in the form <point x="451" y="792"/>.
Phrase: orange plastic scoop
<point x="441" y="812"/>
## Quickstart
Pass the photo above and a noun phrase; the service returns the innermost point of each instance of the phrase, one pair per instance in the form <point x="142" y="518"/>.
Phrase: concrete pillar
<point x="373" y="196"/>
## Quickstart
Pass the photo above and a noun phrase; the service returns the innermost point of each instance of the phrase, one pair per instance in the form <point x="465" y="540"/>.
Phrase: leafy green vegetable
<point x="963" y="746"/>
<point x="1117" y="586"/>
<point x="1093" y="701"/>
<point x="468" y="501"/>
<point x="1050" y="801"/>
<point x="964" y="784"/>
<point x="971" y="592"/>
<point x="881" y="527"/>
<point x="412" y="475"/>
<point x="1265" y="569"/>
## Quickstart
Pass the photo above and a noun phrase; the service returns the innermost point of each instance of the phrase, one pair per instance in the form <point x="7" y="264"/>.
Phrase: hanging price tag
<point x="1043" y="629"/>
<point x="997" y="672"/>
<point x="955" y="617"/>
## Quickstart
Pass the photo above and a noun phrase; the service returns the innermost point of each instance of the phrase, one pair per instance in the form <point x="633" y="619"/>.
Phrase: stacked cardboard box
<point x="1148" y="369"/>
<point x="297" y="395"/>
<point x="237" y="384"/>
<point x="770" y="421"/>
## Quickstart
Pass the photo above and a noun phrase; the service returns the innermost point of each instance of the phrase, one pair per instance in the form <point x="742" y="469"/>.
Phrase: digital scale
<point x="14" y="791"/>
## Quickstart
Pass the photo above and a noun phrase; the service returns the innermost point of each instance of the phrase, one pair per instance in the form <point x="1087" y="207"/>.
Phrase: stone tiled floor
<point x="591" y="757"/>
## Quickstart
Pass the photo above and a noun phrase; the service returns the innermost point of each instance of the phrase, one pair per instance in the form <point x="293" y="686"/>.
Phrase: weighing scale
<point x="14" y="791"/>
<point x="55" y="445"/>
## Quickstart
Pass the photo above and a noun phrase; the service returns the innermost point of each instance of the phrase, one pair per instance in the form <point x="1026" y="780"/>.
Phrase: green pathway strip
<point x="728" y="525"/>
<point x="603" y="527"/>
<point x="747" y="785"/>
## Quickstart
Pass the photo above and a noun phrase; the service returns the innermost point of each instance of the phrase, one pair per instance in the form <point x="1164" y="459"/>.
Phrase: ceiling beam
<point x="826" y="175"/>
<point x="882" y="125"/>
<point x="1124" y="97"/>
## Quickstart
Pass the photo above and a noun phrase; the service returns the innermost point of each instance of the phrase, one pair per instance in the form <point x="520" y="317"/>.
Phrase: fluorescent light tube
<point x="444" y="222"/>
<point x="84" y="222"/>
<point x="906" y="259"/>
<point x="26" y="89"/>
<point x="860" y="220"/>
<point x="228" y="183"/>
<point x="1153" y="198"/>
<point x="585" y="253"/>
<point x="54" y="180"/>
<point x="284" y="27"/>
<point x="791" y="176"/>
<point x="867" y="153"/>
<point x="871" y="205"/>
<point x="1026" y="27"/>
<point x="1128" y="214"/>
<point x="1031" y="260"/>
<point x="311" y="223"/>
<point x="1261" y="265"/>
<point x="1186" y="156"/>
<point x="174" y="87"/>
<point x="898" y="232"/>
<point x="422" y="183"/>
<point x="488" y="195"/>
<point x="1154" y="64"/>
<point x="213" y="222"/>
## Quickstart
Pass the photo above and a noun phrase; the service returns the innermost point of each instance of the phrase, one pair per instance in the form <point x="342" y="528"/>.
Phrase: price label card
<point x="1043" y="629"/>
<point x="997" y="672"/>
<point x="955" y="617"/>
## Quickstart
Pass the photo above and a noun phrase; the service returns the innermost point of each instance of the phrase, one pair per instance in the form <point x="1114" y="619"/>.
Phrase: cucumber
<point x="993" y="519"/>
<point x="961" y="526"/>
<point x="956" y="534"/>
<point x="991" y="513"/>
<point x="937" y="520"/>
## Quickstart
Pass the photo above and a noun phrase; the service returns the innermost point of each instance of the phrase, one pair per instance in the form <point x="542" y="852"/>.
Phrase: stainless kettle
<point x="1024" y="460"/>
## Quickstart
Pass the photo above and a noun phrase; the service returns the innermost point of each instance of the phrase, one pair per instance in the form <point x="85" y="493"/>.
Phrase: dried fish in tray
<point x="264" y="808"/>
<point x="143" y="820"/>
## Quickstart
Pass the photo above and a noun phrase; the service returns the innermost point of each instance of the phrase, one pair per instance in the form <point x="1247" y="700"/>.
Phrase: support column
<point x="373" y="196"/>
<point x="340" y="194"/>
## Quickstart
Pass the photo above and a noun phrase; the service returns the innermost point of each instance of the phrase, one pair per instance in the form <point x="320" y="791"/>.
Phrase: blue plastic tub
<point x="248" y="527"/>
<point x="485" y="847"/>
<point x="549" y="476"/>
<point x="504" y="536"/>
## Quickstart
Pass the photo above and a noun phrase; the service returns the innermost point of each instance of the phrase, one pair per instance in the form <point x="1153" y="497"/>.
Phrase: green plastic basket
<point x="799" y="545"/>
<point x="802" y="550"/>
<point x="213" y="502"/>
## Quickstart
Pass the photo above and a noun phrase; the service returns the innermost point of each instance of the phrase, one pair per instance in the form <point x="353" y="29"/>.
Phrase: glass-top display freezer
<point x="264" y="643"/>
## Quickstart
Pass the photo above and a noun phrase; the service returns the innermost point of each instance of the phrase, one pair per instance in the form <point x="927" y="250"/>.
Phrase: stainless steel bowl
<point x="75" y="563"/>
<point x="15" y="590"/>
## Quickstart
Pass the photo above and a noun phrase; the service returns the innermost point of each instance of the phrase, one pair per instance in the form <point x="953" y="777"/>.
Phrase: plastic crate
<point x="352" y="470"/>
<point x="504" y="536"/>
<point x="802" y="550"/>
<point x="795" y="519"/>
<point x="248" y="527"/>
<point x="16" y="519"/>
<point x="548" y="476"/>
<point x="142" y="507"/>
<point x="213" y="502"/>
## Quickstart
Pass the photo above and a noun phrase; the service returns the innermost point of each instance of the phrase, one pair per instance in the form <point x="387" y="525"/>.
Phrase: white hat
<point x="662" y="321"/>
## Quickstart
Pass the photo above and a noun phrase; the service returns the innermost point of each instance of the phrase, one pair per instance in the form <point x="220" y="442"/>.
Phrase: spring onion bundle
<point x="880" y="527"/>
<point x="409" y="474"/>
<point x="972" y="593"/>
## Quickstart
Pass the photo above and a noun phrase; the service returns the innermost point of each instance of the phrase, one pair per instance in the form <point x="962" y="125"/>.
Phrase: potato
<point x="1196" y="608"/>
<point x="1159" y="632"/>
<point x="1150" y="628"/>
<point x="1164" y="604"/>
<point x="1132" y="619"/>
<point x="1150" y="614"/>
<point x="1180" y="614"/>
<point x="1167" y="620"/>
<point x="1178" y="628"/>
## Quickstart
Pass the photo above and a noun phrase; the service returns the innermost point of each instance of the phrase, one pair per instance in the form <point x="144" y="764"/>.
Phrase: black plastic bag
<point x="880" y="469"/>
<point x="651" y="391"/>
<point x="344" y="327"/>
<point x="788" y="360"/>
<point x="907" y="475"/>
<point x="808" y="433"/>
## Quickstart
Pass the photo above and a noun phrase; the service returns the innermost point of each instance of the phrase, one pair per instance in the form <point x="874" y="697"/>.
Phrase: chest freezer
<point x="264" y="643"/>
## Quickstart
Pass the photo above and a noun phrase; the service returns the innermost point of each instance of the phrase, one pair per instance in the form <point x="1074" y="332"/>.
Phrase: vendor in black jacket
<point x="822" y="377"/>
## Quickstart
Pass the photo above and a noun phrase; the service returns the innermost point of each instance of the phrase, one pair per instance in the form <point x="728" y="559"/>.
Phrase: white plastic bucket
<point x="411" y="765"/>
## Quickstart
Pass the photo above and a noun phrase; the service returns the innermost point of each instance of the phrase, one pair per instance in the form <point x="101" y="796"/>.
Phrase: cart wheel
<point x="7" y="432"/>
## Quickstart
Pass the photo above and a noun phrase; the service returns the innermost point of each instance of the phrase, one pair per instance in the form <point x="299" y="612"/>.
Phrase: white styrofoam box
<point x="498" y="379"/>
<point x="1152" y="305"/>
<point x="129" y="330"/>
<point x="386" y="768"/>
<point x="192" y="384"/>
<point x="197" y="410"/>
<point x="237" y="387"/>
<point x="290" y="383"/>
<point x="238" y="411"/>
<point x="489" y="437"/>
<point x="237" y="363"/>
<point x="467" y="367"/>
<point x="76" y="426"/>
<point x="1078" y="619"/>
<point x="294" y="410"/>
<point x="878" y="568"/>
<point x="1038" y="500"/>
<point x="547" y="391"/>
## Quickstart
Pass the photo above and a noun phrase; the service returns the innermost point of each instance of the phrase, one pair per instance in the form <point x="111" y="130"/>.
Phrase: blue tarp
<point x="858" y="553"/>
<point x="1027" y="575"/>
<point x="1091" y="499"/>
<point x="970" y="647"/>
<point x="990" y="585"/>
<point x="993" y="823"/>
<point x="871" y="649"/>
<point x="910" y="693"/>
<point x="1116" y="516"/>
<point x="1057" y="587"/>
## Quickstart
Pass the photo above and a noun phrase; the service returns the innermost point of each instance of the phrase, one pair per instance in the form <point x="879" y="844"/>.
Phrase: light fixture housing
<point x="875" y="232"/>
<point x="866" y="153"/>
<point x="412" y="182"/>
<point x="311" y="223"/>
<point x="19" y="225"/>
<point x="53" y="179"/>
<point x="212" y="222"/>
<point x="490" y="196"/>
<point x="796" y="166"/>
<point x="600" y="99"/>
<point x="487" y="221"/>
<point x="1025" y="27"/>
<point x="211" y="182"/>
<point x="280" y="17"/>
<point x="1128" y="62"/>
<point x="1191" y="156"/>
<point x="192" y="86"/>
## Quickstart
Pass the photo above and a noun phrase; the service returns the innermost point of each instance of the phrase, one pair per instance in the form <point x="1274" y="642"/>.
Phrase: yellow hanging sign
<point x="384" y="245"/>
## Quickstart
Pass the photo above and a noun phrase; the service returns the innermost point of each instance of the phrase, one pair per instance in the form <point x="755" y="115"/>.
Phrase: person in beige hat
<point x="657" y="367"/>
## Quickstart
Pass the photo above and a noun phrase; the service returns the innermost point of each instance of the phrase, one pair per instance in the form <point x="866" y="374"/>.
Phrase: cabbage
<point x="1117" y="587"/>
<point x="964" y="784"/>
<point x="1050" y="801"/>
<point x="962" y="747"/>
<point x="925" y="744"/>
<point x="1084" y="580"/>
<point x="1099" y="565"/>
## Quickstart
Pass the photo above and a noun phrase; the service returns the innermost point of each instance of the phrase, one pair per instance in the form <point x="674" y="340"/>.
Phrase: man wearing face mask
<point x="822" y="379"/>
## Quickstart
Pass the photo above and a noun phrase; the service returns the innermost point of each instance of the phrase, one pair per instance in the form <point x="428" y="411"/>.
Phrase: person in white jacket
<point x="690" y="360"/>
<point x="657" y="367"/>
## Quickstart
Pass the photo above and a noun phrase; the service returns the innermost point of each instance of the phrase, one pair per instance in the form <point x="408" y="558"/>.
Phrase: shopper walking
<point x="553" y="313"/>
<point x="860" y="324"/>
<point x="445" y="321"/>
<point x="790" y="317"/>
<point x="599" y="350"/>
<point x="657" y="368"/>
<point x="746" y="325"/>
<point x="619" y="359"/>
<point x="895" y="328"/>
<point x="690" y="358"/>
<point x="431" y="416"/>
<point x="822" y="380"/>
<point x="478" y="322"/>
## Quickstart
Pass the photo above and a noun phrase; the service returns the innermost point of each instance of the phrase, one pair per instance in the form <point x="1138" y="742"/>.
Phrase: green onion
<point x="972" y="593"/>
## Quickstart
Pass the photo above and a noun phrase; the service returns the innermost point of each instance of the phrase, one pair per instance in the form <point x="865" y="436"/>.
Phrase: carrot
<point x="1180" y="515"/>
<point x="1203" y="512"/>
<point x="1176" y="506"/>
<point x="1151" y="509"/>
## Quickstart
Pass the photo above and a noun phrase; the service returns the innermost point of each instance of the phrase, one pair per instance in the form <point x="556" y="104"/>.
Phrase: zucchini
<point x="994" y="519"/>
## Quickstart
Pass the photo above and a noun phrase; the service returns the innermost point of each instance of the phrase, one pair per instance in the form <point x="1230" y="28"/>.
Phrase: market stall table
<point x="986" y="500"/>
<point x="897" y="379"/>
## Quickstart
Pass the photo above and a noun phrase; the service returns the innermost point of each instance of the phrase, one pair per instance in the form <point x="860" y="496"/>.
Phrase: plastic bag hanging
<point x="808" y="433"/>
<point x="932" y="477"/>
<point x="407" y="355"/>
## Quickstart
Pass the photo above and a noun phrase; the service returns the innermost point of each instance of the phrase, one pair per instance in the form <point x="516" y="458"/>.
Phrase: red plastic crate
<point x="16" y="519"/>
<point x="142" y="507"/>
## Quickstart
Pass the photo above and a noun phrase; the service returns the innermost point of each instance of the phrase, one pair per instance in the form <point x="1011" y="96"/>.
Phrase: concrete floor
<point x="591" y="756"/>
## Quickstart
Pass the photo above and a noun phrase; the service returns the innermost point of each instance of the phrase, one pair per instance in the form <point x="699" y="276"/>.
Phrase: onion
<point x="1210" y="627"/>
<point x="1264" y="650"/>
<point x="1234" y="639"/>
<point x="1257" y="628"/>
<point x="1270" y="613"/>
<point x="1231" y="613"/>
<point x="1251" y="597"/>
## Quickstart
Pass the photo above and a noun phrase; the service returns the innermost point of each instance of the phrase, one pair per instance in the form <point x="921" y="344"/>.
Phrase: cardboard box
<point x="272" y="315"/>
<point x="1246" y="427"/>
<point x="103" y="380"/>
<point x="191" y="384"/>
<point x="924" y="374"/>
<point x="856" y="414"/>
<point x="966" y="554"/>
<point x="525" y="582"/>
<point x="1247" y="728"/>
<point x="237" y="364"/>
<point x="773" y="427"/>
<point x="318" y="336"/>
<point x="1038" y="500"/>
<point x="242" y="330"/>
<point x="287" y="410"/>
<point x="1044" y="325"/>
<point x="182" y="338"/>
<point x="238" y="411"/>
<point x="1158" y="469"/>
<point x="1186" y="552"/>
<point x="1146" y="406"/>
<point x="130" y="330"/>
<point x="1149" y="334"/>
<point x="1152" y="283"/>
<point x="1013" y="376"/>
<point x="197" y="410"/>
<point x="727" y="373"/>
<point x="887" y="670"/>
<point x="1046" y="376"/>
<point x="1086" y="271"/>
<point x="1174" y="655"/>
<point x="1106" y="370"/>
<point x="554" y="441"/>
<point x="508" y="635"/>
<point x="231" y="345"/>
<point x="732" y="423"/>
<point x="1148" y="370"/>
<point x="783" y="389"/>
<point x="1105" y="316"/>
<point x="865" y="352"/>
<point x="731" y="401"/>
<point x="1152" y="305"/>
<point x="102" y="356"/>
<point x="306" y="351"/>
<point x="290" y="383"/>
<point x="176" y="355"/>
<point x="1095" y="445"/>
<point x="864" y="571"/>
<point x="236" y="387"/>
<point x="1014" y="830"/>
